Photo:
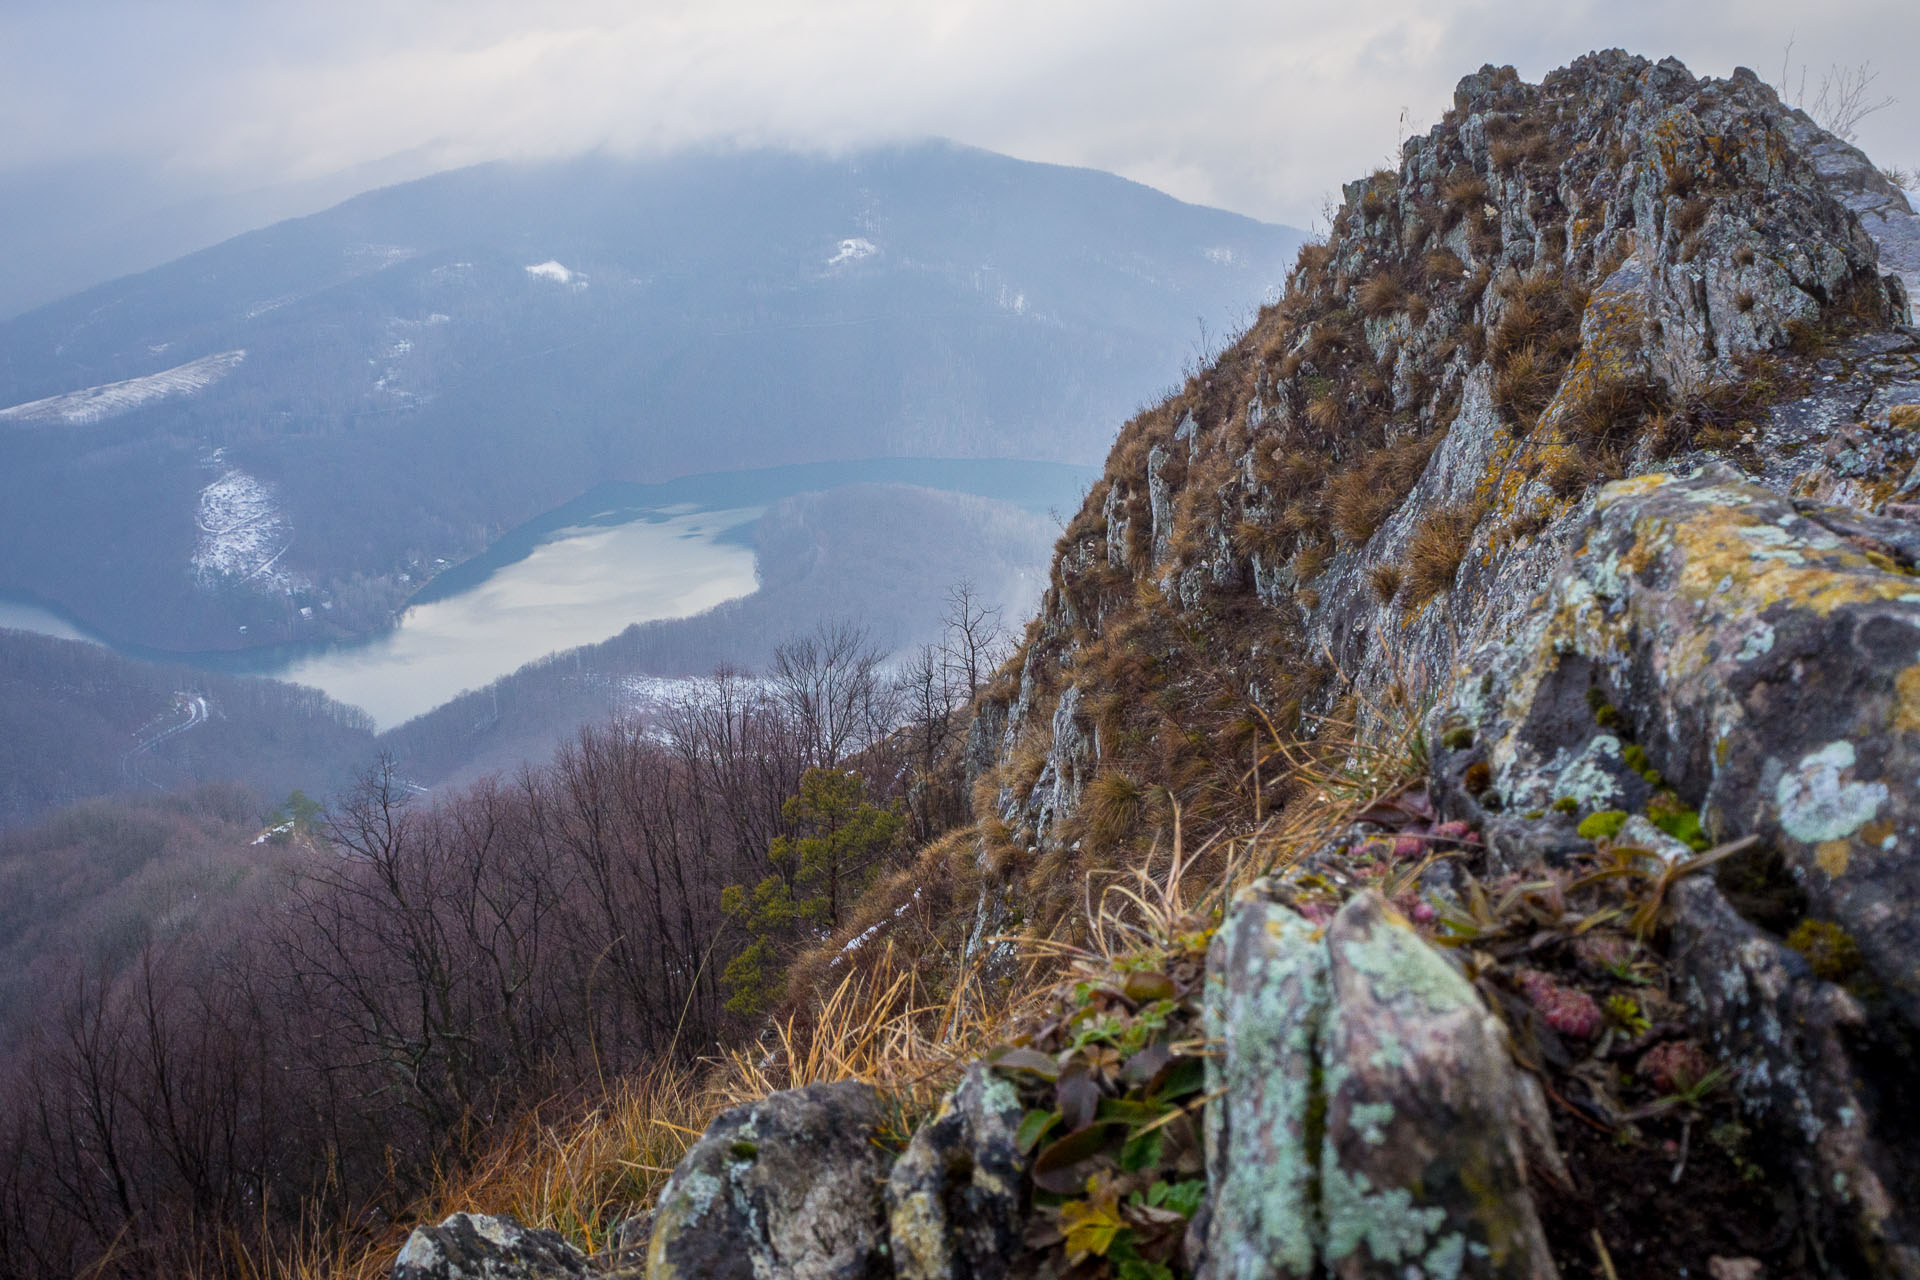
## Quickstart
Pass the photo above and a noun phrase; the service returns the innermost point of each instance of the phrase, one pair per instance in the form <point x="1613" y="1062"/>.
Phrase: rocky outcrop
<point x="1759" y="659"/>
<point x="1371" y="1121"/>
<point x="958" y="1194"/>
<point x="1620" y="270"/>
<point x="790" y="1186"/>
<point x="473" y="1246"/>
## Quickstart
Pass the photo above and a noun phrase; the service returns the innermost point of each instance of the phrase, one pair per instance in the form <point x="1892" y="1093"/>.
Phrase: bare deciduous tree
<point x="1845" y="96"/>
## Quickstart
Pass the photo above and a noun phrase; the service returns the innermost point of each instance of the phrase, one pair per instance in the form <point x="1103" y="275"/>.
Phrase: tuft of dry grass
<point x="1386" y="580"/>
<point x="1463" y="189"/>
<point x="1310" y="561"/>
<point x="1444" y="266"/>
<point x="1116" y="804"/>
<point x="1435" y="554"/>
<point x="1524" y="384"/>
<point x="1359" y="504"/>
<point x="1691" y="216"/>
<point x="1613" y="411"/>
<point x="1324" y="413"/>
<point x="1380" y="295"/>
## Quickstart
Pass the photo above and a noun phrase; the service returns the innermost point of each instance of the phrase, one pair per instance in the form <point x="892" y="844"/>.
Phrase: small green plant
<point x="1625" y="1013"/>
<point x="840" y="838"/>
<point x="1831" y="950"/>
<point x="1604" y="825"/>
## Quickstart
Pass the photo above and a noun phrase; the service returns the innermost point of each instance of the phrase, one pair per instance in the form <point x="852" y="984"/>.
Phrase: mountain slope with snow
<point x="417" y="370"/>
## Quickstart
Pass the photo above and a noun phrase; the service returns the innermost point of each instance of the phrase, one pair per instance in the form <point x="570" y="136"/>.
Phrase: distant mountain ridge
<point x="285" y="433"/>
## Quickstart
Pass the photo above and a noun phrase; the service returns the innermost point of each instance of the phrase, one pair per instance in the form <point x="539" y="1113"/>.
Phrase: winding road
<point x="189" y="711"/>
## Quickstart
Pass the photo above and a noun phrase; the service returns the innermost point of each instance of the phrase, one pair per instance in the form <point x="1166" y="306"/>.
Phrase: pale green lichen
<point x="1817" y="804"/>
<point x="1267" y="1018"/>
<point x="1399" y="962"/>
<point x="1757" y="644"/>
<point x="1444" y="1260"/>
<point x="1370" y="1120"/>
<point x="1387" y="1222"/>
<point x="1587" y="779"/>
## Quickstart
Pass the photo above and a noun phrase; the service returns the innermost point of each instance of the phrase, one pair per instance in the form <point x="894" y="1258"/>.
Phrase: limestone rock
<point x="1768" y="667"/>
<point x="789" y="1186"/>
<point x="1761" y="658"/>
<point x="1371" y="1122"/>
<point x="957" y="1196"/>
<point x="473" y="1246"/>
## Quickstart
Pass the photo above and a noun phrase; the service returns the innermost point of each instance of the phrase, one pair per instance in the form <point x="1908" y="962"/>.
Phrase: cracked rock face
<point x="789" y="1186"/>
<point x="1371" y="1121"/>
<point x="1767" y="660"/>
<point x="957" y="1196"/>
<point x="1764" y="655"/>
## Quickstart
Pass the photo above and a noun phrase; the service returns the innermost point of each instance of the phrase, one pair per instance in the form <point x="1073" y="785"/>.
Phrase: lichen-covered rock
<point x="957" y="1196"/>
<point x="1759" y="658"/>
<point x="1762" y="664"/>
<point x="473" y="1246"/>
<point x="1370" y="1121"/>
<point x="790" y="1186"/>
<point x="1809" y="1059"/>
<point x="1266" y="1002"/>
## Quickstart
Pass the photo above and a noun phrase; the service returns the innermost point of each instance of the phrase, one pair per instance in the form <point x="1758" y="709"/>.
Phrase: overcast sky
<point x="1261" y="106"/>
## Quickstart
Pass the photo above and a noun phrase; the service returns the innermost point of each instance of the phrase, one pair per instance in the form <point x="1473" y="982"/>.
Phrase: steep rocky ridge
<point x="1529" y="594"/>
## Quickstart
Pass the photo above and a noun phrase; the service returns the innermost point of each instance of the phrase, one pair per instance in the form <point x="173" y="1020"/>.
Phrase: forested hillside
<point x="295" y="1049"/>
<point x="77" y="721"/>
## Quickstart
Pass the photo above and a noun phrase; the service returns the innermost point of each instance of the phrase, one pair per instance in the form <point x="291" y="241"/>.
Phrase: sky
<point x="1260" y="106"/>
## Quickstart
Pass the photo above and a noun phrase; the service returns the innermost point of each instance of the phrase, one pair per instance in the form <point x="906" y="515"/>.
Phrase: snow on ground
<point x="551" y="270"/>
<point x="1220" y="256"/>
<point x="853" y="250"/>
<point x="95" y="404"/>
<point x="376" y="257"/>
<point x="243" y="532"/>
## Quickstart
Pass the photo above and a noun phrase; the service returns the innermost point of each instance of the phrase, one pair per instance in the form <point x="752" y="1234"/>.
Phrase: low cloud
<point x="1257" y="106"/>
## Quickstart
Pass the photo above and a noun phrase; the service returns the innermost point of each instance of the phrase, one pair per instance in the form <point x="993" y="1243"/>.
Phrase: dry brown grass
<point x="1310" y="561"/>
<point x="1530" y="147"/>
<point x="1524" y="384"/>
<point x="1325" y="413"/>
<point x="1438" y="548"/>
<point x="1330" y="336"/>
<point x="1381" y="295"/>
<point x="1116" y="804"/>
<point x="1361" y="498"/>
<point x="1385" y="580"/>
<point x="1612" y="412"/>
<point x="1691" y="216"/>
<point x="1359" y="503"/>
<point x="1463" y="189"/>
<point x="1444" y="265"/>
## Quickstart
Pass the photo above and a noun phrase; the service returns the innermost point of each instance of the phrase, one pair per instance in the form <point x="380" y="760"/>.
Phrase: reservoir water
<point x="617" y="555"/>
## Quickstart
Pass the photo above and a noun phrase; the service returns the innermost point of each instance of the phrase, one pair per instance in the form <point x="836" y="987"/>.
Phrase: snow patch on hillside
<point x="1221" y="256"/>
<point x="243" y="531"/>
<point x="853" y="250"/>
<point x="559" y="274"/>
<point x="95" y="404"/>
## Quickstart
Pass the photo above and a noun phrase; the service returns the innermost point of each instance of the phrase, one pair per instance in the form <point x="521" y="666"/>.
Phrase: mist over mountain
<point x="280" y="437"/>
